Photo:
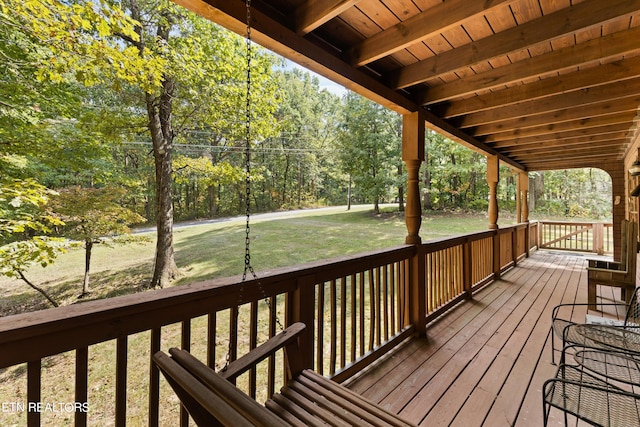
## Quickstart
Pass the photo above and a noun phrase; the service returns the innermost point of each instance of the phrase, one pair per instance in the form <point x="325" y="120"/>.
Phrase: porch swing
<point x="308" y="399"/>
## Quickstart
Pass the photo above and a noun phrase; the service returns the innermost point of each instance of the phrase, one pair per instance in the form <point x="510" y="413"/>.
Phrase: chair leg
<point x="591" y="295"/>
<point x="553" y="347"/>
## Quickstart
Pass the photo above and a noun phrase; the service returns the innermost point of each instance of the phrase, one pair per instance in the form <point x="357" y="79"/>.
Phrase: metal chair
<point x="566" y="329"/>
<point x="589" y="398"/>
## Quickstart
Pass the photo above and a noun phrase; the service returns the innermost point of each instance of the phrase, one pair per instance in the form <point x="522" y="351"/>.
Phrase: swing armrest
<point x="287" y="339"/>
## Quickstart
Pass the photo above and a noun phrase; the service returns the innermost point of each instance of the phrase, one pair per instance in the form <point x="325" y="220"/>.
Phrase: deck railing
<point x="577" y="236"/>
<point x="91" y="361"/>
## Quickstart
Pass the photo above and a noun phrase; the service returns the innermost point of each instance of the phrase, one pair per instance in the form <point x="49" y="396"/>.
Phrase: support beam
<point x="313" y="13"/>
<point x="413" y="134"/>
<point x="493" y="176"/>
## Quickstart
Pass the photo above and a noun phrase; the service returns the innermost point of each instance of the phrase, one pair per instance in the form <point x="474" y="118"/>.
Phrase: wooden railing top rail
<point x="605" y="223"/>
<point x="31" y="336"/>
<point x="447" y="242"/>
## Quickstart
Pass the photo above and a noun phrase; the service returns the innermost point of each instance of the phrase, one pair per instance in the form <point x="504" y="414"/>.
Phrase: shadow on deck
<point x="485" y="362"/>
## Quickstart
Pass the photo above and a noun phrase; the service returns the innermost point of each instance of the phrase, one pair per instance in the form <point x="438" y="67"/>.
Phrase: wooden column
<point x="523" y="183"/>
<point x="493" y="176"/>
<point x="523" y="179"/>
<point x="413" y="133"/>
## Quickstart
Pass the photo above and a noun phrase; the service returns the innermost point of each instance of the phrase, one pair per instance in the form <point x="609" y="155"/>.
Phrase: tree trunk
<point x="427" y="205"/>
<point x="42" y="291"/>
<point x="88" y="247"/>
<point x="160" y="117"/>
<point x="349" y="195"/>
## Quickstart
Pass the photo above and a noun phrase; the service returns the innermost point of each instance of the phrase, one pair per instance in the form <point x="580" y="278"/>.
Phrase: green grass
<point x="207" y="251"/>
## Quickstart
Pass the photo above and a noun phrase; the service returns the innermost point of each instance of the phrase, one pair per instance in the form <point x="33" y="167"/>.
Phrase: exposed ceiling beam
<point x="583" y="97"/>
<point x="605" y="74"/>
<point x="565" y="21"/>
<point x="417" y="28"/>
<point x="313" y="13"/>
<point x="593" y="51"/>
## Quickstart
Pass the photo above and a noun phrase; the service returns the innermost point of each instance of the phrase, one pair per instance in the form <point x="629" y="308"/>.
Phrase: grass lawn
<point x="210" y="250"/>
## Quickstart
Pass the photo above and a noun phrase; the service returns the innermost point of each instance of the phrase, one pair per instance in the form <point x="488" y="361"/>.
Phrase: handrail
<point x="356" y="308"/>
<point x="594" y="237"/>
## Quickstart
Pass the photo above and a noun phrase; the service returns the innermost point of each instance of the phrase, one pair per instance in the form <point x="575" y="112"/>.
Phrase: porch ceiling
<point x="545" y="84"/>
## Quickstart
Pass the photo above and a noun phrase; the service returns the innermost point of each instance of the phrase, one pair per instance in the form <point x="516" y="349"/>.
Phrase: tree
<point x="369" y="146"/>
<point x="22" y="221"/>
<point x="95" y="216"/>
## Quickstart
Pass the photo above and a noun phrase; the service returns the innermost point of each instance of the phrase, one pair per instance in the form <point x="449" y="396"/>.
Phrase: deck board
<point x="485" y="362"/>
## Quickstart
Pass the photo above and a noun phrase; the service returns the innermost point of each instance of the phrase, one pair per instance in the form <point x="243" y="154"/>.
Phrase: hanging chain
<point x="248" y="268"/>
<point x="247" y="153"/>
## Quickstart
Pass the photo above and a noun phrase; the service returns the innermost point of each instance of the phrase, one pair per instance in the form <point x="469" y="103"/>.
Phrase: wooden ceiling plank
<point x="533" y="150"/>
<point x="574" y="154"/>
<point x="577" y="114"/>
<point x="417" y="28"/>
<point x="560" y="138"/>
<point x="617" y="71"/>
<point x="595" y="122"/>
<point x="313" y="13"/>
<point x="593" y="51"/>
<point x="583" y="97"/>
<point x="553" y="26"/>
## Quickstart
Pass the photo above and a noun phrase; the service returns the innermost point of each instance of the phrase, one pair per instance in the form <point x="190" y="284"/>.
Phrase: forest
<point x="119" y="113"/>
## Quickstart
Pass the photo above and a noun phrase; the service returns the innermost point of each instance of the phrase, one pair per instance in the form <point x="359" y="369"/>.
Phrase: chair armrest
<point x="607" y="265"/>
<point x="554" y="312"/>
<point x="258" y="354"/>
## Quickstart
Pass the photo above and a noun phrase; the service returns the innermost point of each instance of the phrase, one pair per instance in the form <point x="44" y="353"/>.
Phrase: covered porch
<point x="454" y="331"/>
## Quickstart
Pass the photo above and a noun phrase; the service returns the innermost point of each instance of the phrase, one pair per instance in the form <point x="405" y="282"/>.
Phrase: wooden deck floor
<point x="484" y="363"/>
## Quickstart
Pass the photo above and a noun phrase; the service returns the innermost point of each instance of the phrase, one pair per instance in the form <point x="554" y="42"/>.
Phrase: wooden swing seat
<point x="308" y="399"/>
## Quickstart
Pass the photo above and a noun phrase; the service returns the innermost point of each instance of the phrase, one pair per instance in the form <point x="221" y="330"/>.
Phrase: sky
<point x="325" y="83"/>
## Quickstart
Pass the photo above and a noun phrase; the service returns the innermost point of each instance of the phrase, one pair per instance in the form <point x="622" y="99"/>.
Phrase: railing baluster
<point x="253" y="343"/>
<point x="121" y="381"/>
<point x="394" y="288"/>
<point x="233" y="334"/>
<point x="211" y="339"/>
<point x="362" y="295"/>
<point x="34" y="387"/>
<point x="82" y="383"/>
<point x="271" y="386"/>
<point x="354" y="310"/>
<point x="333" y="320"/>
<point x="385" y="296"/>
<point x="320" y="330"/>
<point x="185" y="342"/>
<point x="154" y="381"/>
<point x="343" y="322"/>
<point x="372" y="309"/>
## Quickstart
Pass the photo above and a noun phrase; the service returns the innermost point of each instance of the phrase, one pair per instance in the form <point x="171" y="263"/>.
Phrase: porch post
<point x="413" y="133"/>
<point x="523" y="181"/>
<point x="523" y="178"/>
<point x="493" y="176"/>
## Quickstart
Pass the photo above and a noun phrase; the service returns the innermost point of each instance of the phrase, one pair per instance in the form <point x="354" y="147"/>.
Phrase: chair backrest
<point x="632" y="318"/>
<point x="624" y="242"/>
